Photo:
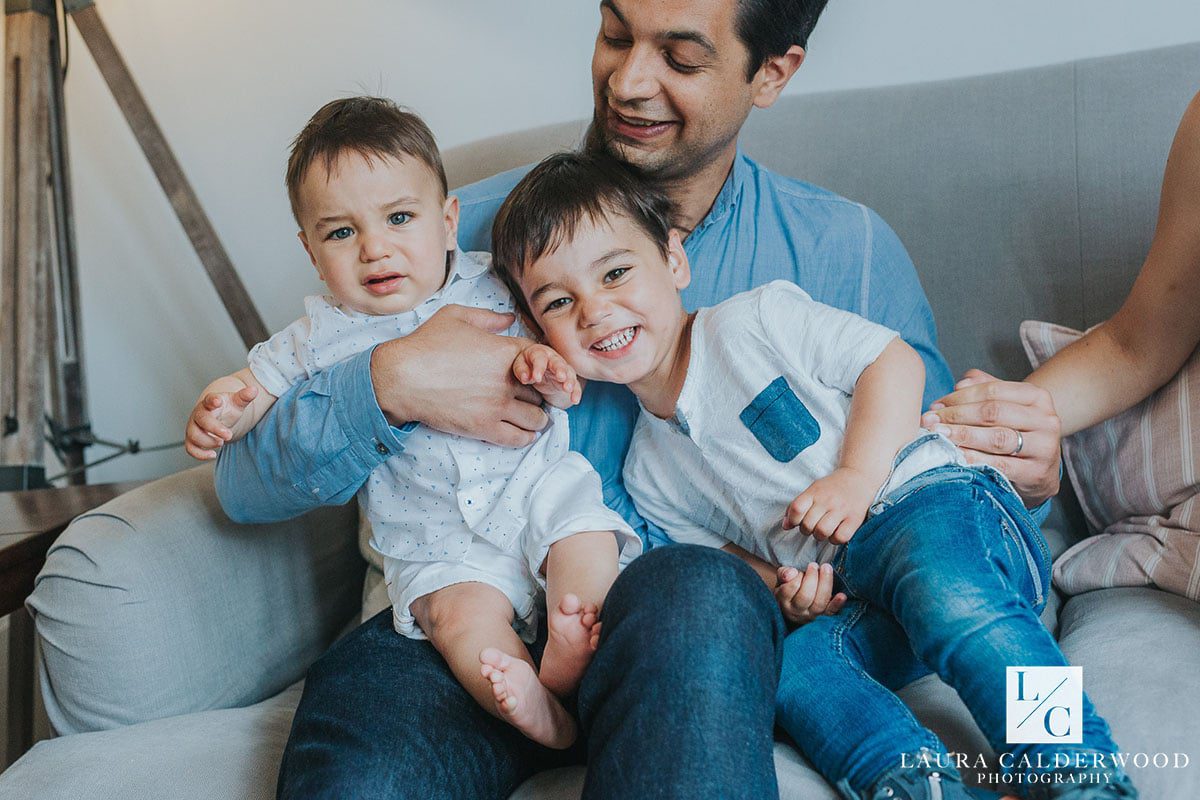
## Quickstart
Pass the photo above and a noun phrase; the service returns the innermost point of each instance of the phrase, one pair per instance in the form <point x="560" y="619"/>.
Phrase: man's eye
<point x="339" y="234"/>
<point x="554" y="305"/>
<point x="614" y="274"/>
<point x="679" y="66"/>
<point x="615" y="41"/>
<point x="399" y="218"/>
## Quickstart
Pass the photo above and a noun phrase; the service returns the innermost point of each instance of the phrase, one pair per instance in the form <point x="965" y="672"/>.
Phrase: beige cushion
<point x="1137" y="476"/>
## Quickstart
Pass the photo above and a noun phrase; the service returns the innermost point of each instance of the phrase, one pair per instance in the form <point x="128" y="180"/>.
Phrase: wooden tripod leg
<point x="23" y="315"/>
<point x="183" y="199"/>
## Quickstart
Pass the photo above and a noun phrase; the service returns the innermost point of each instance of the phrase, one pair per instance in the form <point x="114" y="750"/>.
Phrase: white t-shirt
<point x="762" y="414"/>
<point x="428" y="501"/>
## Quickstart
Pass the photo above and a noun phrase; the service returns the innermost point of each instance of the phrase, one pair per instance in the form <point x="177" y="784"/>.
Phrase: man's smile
<point x="632" y="127"/>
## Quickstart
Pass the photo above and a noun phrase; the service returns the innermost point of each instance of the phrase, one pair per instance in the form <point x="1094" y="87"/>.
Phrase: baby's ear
<point x="450" y="216"/>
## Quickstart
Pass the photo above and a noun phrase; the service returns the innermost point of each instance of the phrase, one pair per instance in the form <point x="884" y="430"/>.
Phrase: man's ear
<point x="677" y="260"/>
<point x="450" y="218"/>
<point x="774" y="75"/>
<point x="304" y="241"/>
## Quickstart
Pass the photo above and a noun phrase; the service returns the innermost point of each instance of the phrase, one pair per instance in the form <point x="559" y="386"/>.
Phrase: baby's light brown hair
<point x="373" y="127"/>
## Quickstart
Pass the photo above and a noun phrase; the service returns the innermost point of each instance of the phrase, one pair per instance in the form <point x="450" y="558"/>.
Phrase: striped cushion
<point x="1137" y="476"/>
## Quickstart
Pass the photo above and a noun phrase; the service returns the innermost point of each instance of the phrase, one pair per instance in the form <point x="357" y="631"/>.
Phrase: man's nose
<point x="633" y="79"/>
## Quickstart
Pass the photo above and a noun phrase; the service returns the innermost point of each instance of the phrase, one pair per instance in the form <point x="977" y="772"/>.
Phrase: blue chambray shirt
<point x="323" y="438"/>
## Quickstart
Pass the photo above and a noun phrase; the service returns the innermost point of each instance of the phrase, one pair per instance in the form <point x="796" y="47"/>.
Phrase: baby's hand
<point x="804" y="596"/>
<point x="833" y="507"/>
<point x="549" y="373"/>
<point x="209" y="425"/>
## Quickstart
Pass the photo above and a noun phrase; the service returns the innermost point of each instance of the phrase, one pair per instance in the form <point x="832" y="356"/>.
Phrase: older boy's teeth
<point x="616" y="341"/>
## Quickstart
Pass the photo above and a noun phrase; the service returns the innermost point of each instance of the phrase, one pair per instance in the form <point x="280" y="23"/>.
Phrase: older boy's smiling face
<point x="377" y="230"/>
<point x="608" y="300"/>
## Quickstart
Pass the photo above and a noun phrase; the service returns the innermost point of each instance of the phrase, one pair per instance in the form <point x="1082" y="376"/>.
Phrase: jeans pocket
<point x="780" y="421"/>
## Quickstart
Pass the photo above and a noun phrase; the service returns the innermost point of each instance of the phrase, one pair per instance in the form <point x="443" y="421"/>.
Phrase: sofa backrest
<point x="1021" y="195"/>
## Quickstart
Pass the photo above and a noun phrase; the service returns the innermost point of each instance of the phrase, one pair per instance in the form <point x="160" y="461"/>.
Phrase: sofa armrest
<point x="155" y="604"/>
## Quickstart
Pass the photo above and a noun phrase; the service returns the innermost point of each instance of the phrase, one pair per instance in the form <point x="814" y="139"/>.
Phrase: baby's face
<point x="377" y="231"/>
<point x="608" y="300"/>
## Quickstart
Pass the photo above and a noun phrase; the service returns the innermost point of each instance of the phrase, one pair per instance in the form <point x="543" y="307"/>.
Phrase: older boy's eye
<point x="339" y="234"/>
<point x="399" y="218"/>
<point x="614" y="274"/>
<point x="554" y="305"/>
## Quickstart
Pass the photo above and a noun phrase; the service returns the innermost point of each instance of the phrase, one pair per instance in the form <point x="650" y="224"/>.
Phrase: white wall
<point x="232" y="81"/>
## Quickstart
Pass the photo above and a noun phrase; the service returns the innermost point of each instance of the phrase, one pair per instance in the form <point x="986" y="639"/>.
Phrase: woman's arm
<point x="1146" y="342"/>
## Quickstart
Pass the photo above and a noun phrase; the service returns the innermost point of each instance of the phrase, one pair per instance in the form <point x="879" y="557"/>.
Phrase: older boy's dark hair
<point x="546" y="207"/>
<point x="373" y="127"/>
<point x="769" y="27"/>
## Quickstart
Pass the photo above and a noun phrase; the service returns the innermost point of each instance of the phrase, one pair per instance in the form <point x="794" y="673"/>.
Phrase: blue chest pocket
<point x="780" y="422"/>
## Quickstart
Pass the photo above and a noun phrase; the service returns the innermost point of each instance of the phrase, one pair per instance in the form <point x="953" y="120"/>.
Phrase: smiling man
<point x="679" y="700"/>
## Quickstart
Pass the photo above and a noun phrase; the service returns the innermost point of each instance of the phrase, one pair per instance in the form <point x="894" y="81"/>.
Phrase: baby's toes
<point x="570" y="604"/>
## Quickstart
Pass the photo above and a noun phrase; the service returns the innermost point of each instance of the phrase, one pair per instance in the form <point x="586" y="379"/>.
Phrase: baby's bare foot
<point x="568" y="645"/>
<point x="524" y="702"/>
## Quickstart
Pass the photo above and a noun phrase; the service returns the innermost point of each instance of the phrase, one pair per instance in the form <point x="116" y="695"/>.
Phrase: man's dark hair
<point x="373" y="127"/>
<point x="769" y="27"/>
<point x="547" y="206"/>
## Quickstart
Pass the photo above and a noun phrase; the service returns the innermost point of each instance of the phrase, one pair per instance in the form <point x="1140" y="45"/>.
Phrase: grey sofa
<point x="173" y="642"/>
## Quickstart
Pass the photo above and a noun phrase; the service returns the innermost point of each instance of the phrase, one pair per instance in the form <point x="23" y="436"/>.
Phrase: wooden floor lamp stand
<point x="40" y="347"/>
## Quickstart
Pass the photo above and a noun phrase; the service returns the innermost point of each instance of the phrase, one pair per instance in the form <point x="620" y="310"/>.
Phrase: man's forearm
<point x="315" y="447"/>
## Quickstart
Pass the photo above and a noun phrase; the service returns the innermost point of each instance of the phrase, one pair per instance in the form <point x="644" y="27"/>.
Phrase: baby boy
<point x="467" y="529"/>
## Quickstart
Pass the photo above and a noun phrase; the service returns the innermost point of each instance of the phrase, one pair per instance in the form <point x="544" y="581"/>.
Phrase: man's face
<point x="607" y="299"/>
<point x="669" y="78"/>
<point x="377" y="231"/>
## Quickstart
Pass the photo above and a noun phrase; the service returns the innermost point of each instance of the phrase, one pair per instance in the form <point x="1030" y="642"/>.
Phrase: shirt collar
<point x="731" y="190"/>
<point x="462" y="267"/>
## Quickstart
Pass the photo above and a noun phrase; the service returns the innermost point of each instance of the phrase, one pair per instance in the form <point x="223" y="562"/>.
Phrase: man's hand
<point x="833" y="507"/>
<point x="211" y="421"/>
<point x="455" y="374"/>
<point x="549" y="373"/>
<point x="1011" y="425"/>
<point x="804" y="596"/>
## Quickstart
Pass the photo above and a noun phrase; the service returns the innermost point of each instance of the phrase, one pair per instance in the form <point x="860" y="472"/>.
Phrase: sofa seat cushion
<point x="227" y="754"/>
<point x="1139" y="650"/>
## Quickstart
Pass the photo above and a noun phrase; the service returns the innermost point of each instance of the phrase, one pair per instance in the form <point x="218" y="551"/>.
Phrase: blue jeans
<point x="677" y="703"/>
<point x="948" y="576"/>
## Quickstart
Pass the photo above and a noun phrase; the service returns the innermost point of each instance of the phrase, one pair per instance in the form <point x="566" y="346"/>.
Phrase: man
<point x="678" y="701"/>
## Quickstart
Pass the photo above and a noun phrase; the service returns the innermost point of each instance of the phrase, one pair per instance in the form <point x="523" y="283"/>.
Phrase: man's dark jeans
<point x="679" y="701"/>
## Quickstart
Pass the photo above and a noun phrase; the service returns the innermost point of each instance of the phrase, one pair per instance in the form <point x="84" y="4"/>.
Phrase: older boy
<point x="787" y="432"/>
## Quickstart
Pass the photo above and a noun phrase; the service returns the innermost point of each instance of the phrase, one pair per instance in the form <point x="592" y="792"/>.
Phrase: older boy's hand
<point x="805" y="595"/>
<point x="549" y="373"/>
<point x="833" y="507"/>
<point x="1010" y="425"/>
<point x="455" y="374"/>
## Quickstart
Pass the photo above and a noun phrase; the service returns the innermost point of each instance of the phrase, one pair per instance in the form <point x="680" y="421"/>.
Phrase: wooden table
<point x="30" y="521"/>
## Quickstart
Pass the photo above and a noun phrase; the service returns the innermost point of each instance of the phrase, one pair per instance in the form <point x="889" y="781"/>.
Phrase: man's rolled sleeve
<point x="315" y="447"/>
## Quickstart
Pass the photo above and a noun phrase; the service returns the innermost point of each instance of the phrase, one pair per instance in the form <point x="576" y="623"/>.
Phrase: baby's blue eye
<point x="614" y="274"/>
<point x="554" y="305"/>
<point x="339" y="234"/>
<point x="399" y="218"/>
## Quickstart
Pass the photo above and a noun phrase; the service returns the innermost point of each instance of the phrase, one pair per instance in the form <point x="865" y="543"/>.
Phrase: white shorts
<point x="484" y="563"/>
